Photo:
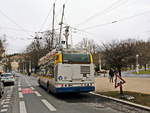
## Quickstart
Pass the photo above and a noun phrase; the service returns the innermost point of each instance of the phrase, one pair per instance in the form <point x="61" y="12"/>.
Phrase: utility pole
<point x="30" y="66"/>
<point x="53" y="22"/>
<point x="99" y="61"/>
<point x="66" y="34"/>
<point x="37" y="45"/>
<point x="137" y="64"/>
<point x="61" y="24"/>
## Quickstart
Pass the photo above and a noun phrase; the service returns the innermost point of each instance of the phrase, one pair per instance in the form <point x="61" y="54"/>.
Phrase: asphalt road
<point x="27" y="97"/>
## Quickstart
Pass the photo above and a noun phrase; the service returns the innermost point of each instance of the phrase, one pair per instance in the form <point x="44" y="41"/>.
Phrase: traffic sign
<point x="119" y="81"/>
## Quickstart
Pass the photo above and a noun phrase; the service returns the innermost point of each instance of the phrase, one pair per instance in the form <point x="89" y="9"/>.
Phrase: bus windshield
<point x="76" y="58"/>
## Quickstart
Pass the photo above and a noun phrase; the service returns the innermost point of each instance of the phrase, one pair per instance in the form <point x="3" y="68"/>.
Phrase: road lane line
<point x="5" y="106"/>
<point x="22" y="107"/>
<point x="19" y="84"/>
<point x="37" y="94"/>
<point x="19" y="89"/>
<point x="32" y="88"/>
<point x="11" y="88"/>
<point x="3" y="110"/>
<point x="20" y="95"/>
<point x="48" y="105"/>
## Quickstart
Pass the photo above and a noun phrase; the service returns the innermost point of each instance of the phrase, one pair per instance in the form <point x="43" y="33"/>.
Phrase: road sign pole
<point x="121" y="90"/>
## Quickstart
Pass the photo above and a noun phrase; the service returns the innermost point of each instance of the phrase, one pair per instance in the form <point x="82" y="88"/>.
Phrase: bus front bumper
<point x="75" y="89"/>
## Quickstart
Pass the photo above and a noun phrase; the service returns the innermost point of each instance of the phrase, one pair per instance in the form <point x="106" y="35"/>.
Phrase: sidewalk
<point x="135" y="84"/>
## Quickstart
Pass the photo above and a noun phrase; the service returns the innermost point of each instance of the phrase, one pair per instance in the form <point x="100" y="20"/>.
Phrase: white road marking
<point x="37" y="94"/>
<point x="7" y="99"/>
<point x="6" y="102"/>
<point x="20" y="95"/>
<point x="48" y="105"/>
<point x="5" y="106"/>
<point x="22" y="107"/>
<point x="2" y="102"/>
<point x="27" y="81"/>
<point x="19" y="89"/>
<point x="8" y="95"/>
<point x="19" y="84"/>
<point x="3" y="110"/>
<point x="32" y="88"/>
<point x="11" y="88"/>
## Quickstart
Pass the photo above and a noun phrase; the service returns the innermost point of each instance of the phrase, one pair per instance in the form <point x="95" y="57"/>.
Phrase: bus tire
<point x="39" y="83"/>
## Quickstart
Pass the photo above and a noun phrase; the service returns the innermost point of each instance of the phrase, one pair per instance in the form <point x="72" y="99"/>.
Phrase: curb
<point x="124" y="102"/>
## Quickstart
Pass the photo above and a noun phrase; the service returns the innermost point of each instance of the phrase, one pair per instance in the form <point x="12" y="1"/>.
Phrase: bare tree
<point x="143" y="51"/>
<point x="88" y="44"/>
<point x="119" y="54"/>
<point x="2" y="48"/>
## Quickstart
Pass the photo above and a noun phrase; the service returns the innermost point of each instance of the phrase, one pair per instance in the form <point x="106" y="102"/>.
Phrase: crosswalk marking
<point x="5" y="106"/>
<point x="6" y="102"/>
<point x="3" y="110"/>
<point x="2" y="102"/>
<point x="7" y="99"/>
<point x="48" y="105"/>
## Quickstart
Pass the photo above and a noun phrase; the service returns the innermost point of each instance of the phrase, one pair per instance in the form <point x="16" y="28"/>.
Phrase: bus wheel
<point x="39" y="82"/>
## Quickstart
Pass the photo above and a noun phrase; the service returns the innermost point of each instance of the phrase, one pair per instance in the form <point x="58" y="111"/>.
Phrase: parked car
<point x="8" y="78"/>
<point x="1" y="88"/>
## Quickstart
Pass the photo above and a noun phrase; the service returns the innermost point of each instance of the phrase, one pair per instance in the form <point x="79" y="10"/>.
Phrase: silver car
<point x="8" y="78"/>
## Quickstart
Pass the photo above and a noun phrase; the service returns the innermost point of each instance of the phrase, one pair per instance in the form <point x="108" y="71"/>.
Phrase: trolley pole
<point x="61" y="23"/>
<point x="53" y="22"/>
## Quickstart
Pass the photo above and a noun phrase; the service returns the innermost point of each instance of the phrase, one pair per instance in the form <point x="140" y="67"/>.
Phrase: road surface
<point x="27" y="97"/>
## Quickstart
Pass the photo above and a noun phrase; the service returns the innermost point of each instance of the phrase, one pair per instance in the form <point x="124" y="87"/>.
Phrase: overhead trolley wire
<point x="11" y="20"/>
<point x="45" y="20"/>
<point x="15" y="29"/>
<point x="113" y="6"/>
<point x="122" y="19"/>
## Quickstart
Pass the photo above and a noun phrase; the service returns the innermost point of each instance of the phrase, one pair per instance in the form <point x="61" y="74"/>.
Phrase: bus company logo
<point x="60" y="78"/>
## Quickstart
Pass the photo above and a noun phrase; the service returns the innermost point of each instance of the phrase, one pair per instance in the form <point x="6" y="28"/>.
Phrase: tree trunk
<point x="119" y="70"/>
<point x="145" y="66"/>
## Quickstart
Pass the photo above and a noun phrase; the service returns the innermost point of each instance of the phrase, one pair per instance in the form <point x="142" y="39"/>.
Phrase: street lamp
<point x="137" y="64"/>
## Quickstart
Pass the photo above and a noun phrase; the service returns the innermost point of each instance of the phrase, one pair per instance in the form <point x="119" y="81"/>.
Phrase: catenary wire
<point x="123" y="19"/>
<point x="45" y="20"/>
<point x="109" y="9"/>
<point x="12" y="21"/>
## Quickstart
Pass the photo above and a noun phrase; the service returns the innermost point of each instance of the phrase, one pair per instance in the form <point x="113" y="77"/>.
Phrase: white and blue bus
<point x="67" y="71"/>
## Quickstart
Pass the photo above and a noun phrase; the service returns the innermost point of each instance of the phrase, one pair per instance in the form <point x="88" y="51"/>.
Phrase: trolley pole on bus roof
<point x="61" y="23"/>
<point x="53" y="22"/>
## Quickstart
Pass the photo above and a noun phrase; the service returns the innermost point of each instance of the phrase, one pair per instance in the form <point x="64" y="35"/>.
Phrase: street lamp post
<point x="137" y="64"/>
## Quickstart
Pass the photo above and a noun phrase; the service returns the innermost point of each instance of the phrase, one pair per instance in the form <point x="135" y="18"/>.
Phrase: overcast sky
<point x="21" y="18"/>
